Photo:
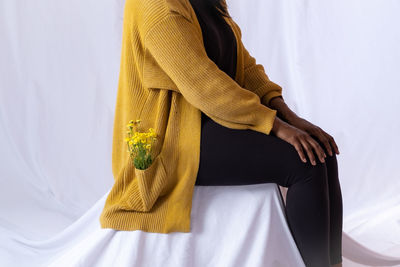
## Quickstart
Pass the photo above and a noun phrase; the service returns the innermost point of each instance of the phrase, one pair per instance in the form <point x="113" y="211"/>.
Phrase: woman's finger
<point x="317" y="148"/>
<point x="300" y="151"/>
<point x="323" y="140"/>
<point x="308" y="149"/>
<point x="323" y="137"/>
<point x="332" y="142"/>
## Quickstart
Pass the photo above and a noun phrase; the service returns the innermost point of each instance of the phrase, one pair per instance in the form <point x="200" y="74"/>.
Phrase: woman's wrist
<point x="283" y="111"/>
<point x="277" y="125"/>
<point x="291" y="117"/>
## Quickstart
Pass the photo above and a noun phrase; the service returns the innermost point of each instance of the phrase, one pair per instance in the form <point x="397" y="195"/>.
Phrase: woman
<point x="308" y="185"/>
<point x="170" y="82"/>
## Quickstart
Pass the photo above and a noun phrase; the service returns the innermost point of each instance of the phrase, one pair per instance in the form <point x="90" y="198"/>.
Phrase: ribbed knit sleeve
<point x="257" y="80"/>
<point x="174" y="44"/>
<point x="255" y="77"/>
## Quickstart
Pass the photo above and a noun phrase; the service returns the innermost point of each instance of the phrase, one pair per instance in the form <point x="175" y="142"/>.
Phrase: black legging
<point x="313" y="200"/>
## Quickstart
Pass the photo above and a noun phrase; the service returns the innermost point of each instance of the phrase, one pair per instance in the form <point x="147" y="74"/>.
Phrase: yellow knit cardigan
<point x="166" y="80"/>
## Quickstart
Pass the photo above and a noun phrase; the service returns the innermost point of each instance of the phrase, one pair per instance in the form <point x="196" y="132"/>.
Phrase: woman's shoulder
<point x="148" y="11"/>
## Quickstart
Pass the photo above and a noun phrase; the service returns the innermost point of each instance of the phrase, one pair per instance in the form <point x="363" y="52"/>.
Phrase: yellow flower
<point x="139" y="141"/>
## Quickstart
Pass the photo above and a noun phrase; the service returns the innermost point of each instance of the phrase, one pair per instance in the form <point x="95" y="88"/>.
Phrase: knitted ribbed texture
<point x="166" y="80"/>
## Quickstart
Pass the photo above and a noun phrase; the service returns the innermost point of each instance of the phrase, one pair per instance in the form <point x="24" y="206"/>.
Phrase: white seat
<point x="233" y="226"/>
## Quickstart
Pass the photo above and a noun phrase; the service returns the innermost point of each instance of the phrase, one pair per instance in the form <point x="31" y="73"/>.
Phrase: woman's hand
<point x="315" y="131"/>
<point x="291" y="118"/>
<point x="299" y="139"/>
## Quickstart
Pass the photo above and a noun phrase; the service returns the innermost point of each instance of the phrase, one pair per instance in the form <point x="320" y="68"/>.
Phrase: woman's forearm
<point x="283" y="111"/>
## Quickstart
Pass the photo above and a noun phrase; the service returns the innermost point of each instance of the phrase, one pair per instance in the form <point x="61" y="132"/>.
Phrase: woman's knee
<point x="331" y="160"/>
<point x="307" y="172"/>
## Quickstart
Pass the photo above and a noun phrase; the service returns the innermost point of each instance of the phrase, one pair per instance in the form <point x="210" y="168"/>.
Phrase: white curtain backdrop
<point x="337" y="61"/>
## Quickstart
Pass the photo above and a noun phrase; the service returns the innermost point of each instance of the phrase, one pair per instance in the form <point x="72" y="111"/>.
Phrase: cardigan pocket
<point x="146" y="187"/>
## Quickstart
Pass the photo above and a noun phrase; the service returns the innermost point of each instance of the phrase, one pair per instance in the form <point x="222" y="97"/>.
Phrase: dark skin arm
<point x="298" y="131"/>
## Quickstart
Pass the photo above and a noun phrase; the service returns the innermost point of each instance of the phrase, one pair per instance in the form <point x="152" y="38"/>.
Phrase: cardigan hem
<point x="115" y="225"/>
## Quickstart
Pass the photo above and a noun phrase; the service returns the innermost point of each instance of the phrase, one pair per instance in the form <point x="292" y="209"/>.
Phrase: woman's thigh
<point x="240" y="157"/>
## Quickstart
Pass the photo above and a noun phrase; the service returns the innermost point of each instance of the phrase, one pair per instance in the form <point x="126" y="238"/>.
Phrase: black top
<point x="219" y="39"/>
